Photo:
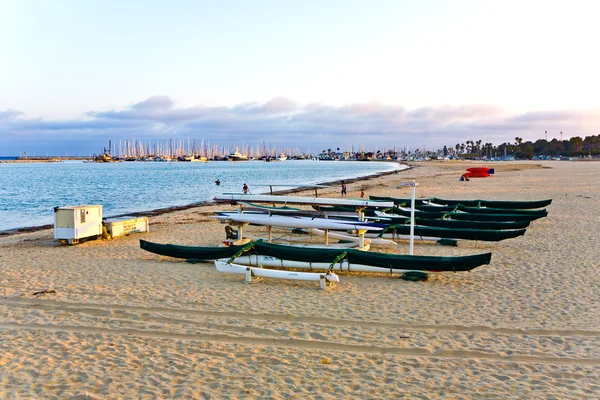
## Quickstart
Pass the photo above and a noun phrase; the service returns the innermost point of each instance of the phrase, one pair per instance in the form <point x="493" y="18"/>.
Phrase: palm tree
<point x="518" y="141"/>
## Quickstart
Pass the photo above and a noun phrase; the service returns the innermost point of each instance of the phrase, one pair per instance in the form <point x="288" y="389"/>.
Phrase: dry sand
<point x="124" y="323"/>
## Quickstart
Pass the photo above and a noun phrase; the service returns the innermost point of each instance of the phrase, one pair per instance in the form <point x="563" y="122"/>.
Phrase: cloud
<point x="284" y="123"/>
<point x="154" y="103"/>
<point x="10" y="114"/>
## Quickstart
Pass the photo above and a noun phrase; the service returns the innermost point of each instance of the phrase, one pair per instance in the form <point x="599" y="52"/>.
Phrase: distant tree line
<point x="573" y="147"/>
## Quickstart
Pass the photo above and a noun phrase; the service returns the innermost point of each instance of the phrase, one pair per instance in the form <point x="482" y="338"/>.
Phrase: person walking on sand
<point x="245" y="189"/>
<point x="362" y="193"/>
<point x="343" y="188"/>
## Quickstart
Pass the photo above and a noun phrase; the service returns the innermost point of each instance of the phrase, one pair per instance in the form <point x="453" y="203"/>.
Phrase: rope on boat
<point x="337" y="260"/>
<point x="244" y="249"/>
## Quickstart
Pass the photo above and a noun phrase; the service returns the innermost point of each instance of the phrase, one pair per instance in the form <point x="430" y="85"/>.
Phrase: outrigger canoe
<point x="487" y="235"/>
<point x="464" y="216"/>
<point x="511" y="205"/>
<point x="450" y="223"/>
<point x="398" y="212"/>
<point x="272" y="255"/>
<point x="489" y="210"/>
<point x="481" y="210"/>
<point x="437" y="233"/>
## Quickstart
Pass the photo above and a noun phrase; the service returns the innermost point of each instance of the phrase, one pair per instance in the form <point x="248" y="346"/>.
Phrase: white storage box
<point x="126" y="225"/>
<point x="73" y="223"/>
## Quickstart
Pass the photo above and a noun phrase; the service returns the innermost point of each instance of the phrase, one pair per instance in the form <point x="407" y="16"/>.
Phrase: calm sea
<point x="30" y="191"/>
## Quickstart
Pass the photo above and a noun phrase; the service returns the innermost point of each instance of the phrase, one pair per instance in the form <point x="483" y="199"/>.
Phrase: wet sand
<point x="114" y="321"/>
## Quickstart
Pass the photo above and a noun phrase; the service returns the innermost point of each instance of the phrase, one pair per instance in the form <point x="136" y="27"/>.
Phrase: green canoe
<point x="387" y="262"/>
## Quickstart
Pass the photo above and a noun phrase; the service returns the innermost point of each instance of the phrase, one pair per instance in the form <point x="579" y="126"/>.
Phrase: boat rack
<point x="297" y="186"/>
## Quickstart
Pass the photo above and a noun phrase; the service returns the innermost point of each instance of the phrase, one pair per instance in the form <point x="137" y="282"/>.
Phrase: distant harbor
<point x="175" y="151"/>
<point x="189" y="151"/>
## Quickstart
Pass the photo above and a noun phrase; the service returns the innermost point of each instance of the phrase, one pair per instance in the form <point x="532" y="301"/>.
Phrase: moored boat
<point x="237" y="156"/>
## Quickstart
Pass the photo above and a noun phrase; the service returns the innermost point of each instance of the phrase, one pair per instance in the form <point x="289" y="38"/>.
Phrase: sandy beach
<point x="105" y="319"/>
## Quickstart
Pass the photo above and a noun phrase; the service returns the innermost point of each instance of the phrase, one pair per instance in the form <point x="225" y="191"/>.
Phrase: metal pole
<point x="412" y="214"/>
<point x="412" y="218"/>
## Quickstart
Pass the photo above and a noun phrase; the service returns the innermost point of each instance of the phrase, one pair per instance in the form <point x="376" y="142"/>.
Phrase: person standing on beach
<point x="245" y="189"/>
<point x="343" y="188"/>
<point x="362" y="193"/>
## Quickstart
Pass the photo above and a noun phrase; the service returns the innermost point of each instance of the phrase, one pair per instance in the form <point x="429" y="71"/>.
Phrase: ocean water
<point x="30" y="191"/>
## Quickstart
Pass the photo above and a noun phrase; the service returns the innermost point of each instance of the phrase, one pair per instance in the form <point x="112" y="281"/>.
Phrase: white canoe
<point x="298" y="222"/>
<point x="223" y="266"/>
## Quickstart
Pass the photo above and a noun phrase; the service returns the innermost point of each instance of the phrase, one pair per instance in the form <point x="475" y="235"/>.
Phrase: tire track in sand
<point x="103" y="309"/>
<point x="303" y="344"/>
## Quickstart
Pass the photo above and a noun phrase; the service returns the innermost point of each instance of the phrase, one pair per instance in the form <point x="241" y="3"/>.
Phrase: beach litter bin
<point x="74" y="223"/>
<point x="122" y="226"/>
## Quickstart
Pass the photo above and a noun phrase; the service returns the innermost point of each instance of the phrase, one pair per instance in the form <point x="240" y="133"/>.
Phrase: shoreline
<point x="166" y="210"/>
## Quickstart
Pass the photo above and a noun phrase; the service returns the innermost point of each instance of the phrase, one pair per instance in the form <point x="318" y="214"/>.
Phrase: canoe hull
<point x="346" y="266"/>
<point x="515" y="205"/>
<point x="313" y="257"/>
<point x="463" y="216"/>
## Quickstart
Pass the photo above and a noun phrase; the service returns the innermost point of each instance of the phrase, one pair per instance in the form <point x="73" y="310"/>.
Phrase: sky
<point x="306" y="74"/>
